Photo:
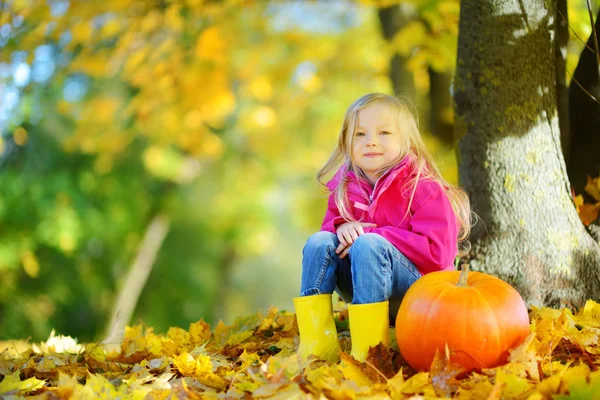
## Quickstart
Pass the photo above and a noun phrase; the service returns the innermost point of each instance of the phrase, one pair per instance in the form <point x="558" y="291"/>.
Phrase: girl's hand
<point x="347" y="233"/>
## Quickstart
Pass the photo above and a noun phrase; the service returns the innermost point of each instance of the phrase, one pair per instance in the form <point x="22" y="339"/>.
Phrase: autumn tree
<point x="584" y="111"/>
<point x="422" y="42"/>
<point x="511" y="162"/>
<point x="158" y="143"/>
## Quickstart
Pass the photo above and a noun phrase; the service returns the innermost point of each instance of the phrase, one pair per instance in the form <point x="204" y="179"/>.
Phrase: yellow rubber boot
<point x="369" y="325"/>
<point x="318" y="335"/>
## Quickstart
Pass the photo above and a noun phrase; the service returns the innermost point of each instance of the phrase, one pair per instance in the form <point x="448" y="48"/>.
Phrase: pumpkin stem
<point x="464" y="274"/>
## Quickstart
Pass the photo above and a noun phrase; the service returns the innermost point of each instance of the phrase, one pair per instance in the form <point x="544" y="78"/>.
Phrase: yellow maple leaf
<point x="287" y="345"/>
<point x="248" y="359"/>
<point x="589" y="315"/>
<point x="588" y="213"/>
<point x="133" y="332"/>
<point x="549" y="385"/>
<point x="185" y="364"/>
<point x="269" y="321"/>
<point x="181" y="337"/>
<point x="133" y="340"/>
<point x="203" y="364"/>
<point x="523" y="359"/>
<point x="395" y="385"/>
<point x="514" y="385"/>
<point x="96" y="351"/>
<point x="199" y="367"/>
<point x="221" y="333"/>
<point x="169" y="347"/>
<point x="592" y="187"/>
<point x="13" y="385"/>
<point x="278" y="368"/>
<point x="351" y="370"/>
<point x="286" y="321"/>
<point x="417" y="384"/>
<point x="153" y="343"/>
<point x="578" y="200"/>
<point x="551" y="329"/>
<point x="200" y="332"/>
<point x="97" y="386"/>
<point x="325" y="371"/>
<point x="212" y="380"/>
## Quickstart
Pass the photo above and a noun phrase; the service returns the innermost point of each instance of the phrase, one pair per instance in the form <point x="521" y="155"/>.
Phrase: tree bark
<point x="585" y="117"/>
<point x="440" y="106"/>
<point x="510" y="158"/>
<point x="562" y="91"/>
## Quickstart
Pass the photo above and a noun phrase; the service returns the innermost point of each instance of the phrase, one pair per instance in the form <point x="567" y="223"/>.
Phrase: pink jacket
<point x="427" y="235"/>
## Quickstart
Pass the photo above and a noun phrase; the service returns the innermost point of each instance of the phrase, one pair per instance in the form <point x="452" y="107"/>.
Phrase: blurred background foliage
<point x="213" y="115"/>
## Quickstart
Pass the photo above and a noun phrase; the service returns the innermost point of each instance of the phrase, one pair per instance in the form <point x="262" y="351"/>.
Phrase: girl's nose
<point x="372" y="141"/>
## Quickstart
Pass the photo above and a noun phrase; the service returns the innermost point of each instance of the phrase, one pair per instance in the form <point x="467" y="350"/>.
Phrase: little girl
<point x="391" y="218"/>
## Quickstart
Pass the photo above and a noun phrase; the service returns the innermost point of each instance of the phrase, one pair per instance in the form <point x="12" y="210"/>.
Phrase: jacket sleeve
<point x="332" y="217"/>
<point x="430" y="241"/>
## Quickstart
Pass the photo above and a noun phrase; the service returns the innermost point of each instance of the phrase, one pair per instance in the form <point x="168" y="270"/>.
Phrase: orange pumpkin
<point x="479" y="316"/>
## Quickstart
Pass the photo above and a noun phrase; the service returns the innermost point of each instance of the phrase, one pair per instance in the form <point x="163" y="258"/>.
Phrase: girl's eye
<point x="360" y="134"/>
<point x="385" y="133"/>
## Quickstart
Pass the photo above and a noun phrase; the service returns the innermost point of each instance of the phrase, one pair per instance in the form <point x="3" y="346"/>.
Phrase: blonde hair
<point x="411" y="142"/>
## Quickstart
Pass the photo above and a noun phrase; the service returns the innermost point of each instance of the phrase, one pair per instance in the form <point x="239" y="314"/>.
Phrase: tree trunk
<point x="562" y="91"/>
<point x="392" y="19"/>
<point x="585" y="117"/>
<point x="225" y="269"/>
<point x="510" y="158"/>
<point x="136" y="279"/>
<point x="440" y="106"/>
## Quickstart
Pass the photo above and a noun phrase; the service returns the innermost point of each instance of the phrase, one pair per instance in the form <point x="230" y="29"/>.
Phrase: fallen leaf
<point x="13" y="385"/>
<point x="352" y="370"/>
<point x="199" y="332"/>
<point x="443" y="373"/>
<point x="384" y="361"/>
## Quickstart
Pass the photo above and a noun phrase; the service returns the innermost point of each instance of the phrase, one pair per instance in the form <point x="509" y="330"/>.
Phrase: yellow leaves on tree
<point x="212" y="45"/>
<point x="161" y="72"/>
<point x="431" y="39"/>
<point x="588" y="212"/>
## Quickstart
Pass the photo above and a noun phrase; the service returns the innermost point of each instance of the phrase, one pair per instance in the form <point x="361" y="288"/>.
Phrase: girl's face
<point x="377" y="141"/>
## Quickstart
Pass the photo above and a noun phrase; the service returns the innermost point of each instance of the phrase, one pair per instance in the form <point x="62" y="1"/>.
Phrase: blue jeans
<point x="373" y="271"/>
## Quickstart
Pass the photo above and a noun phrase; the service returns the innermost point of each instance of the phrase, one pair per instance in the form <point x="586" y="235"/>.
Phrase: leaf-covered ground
<point x="255" y="358"/>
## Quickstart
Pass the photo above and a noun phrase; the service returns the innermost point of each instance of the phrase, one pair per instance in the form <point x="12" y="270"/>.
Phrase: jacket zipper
<point x="374" y="187"/>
